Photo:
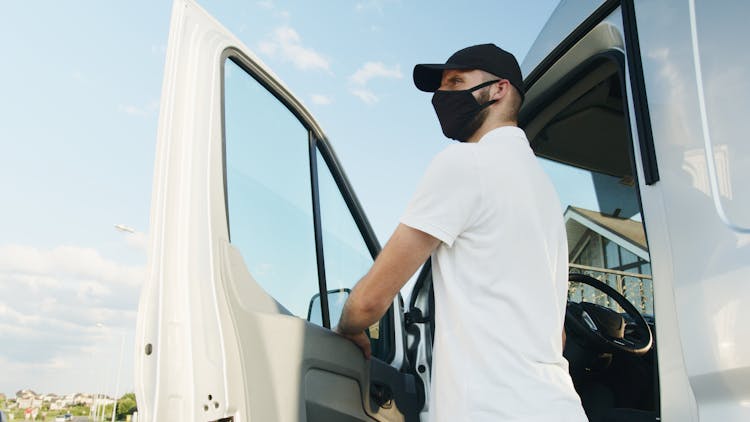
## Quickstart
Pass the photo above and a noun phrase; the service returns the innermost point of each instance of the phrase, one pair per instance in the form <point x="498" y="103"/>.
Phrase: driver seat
<point x="599" y="401"/>
<point x="629" y="415"/>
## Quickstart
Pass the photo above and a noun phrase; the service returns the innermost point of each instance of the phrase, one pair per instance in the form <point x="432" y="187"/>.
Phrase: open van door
<point x="256" y="239"/>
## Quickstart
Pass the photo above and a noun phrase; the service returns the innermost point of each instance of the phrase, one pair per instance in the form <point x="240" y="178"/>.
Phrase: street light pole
<point x="99" y="407"/>
<point x="100" y="413"/>
<point x="117" y="380"/>
<point x="125" y="229"/>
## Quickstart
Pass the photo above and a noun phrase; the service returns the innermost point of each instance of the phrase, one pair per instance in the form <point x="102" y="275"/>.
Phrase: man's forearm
<point x="407" y="249"/>
<point x="360" y="313"/>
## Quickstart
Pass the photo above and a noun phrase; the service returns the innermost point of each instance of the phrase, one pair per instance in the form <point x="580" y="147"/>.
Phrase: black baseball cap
<point x="487" y="57"/>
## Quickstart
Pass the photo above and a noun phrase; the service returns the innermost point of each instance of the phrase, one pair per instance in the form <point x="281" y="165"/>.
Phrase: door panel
<point x="277" y="351"/>
<point x="222" y="331"/>
<point x="291" y="355"/>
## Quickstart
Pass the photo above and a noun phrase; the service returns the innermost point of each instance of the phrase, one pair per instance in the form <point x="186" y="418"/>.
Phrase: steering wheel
<point x="605" y="328"/>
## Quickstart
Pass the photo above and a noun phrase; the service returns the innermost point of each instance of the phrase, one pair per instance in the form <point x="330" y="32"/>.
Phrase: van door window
<point x="583" y="141"/>
<point x="347" y="258"/>
<point x="269" y="199"/>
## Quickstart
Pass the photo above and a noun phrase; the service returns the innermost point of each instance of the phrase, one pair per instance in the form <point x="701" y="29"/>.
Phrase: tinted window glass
<point x="347" y="258"/>
<point x="269" y="196"/>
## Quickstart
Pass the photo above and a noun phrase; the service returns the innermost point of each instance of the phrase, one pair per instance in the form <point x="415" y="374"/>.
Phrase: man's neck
<point x="479" y="134"/>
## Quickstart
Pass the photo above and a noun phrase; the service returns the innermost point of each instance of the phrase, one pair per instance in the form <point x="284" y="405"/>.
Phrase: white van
<point x="637" y="113"/>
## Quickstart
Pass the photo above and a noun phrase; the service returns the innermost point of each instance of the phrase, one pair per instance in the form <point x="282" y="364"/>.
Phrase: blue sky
<point x="79" y="104"/>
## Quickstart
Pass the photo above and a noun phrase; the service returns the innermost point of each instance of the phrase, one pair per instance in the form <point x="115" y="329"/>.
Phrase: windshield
<point x="606" y="239"/>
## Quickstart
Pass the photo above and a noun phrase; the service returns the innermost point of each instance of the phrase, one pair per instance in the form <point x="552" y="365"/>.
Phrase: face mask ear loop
<point x="485" y="105"/>
<point x="482" y="85"/>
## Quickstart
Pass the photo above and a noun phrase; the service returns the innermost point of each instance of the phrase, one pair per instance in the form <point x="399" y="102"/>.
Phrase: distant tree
<point x="79" y="410"/>
<point x="107" y="412"/>
<point x="126" y="405"/>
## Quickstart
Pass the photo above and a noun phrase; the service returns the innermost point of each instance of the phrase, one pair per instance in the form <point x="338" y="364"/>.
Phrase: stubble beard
<point x="473" y="126"/>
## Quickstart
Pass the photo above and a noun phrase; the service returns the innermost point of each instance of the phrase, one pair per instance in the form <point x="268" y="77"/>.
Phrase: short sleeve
<point x="448" y="197"/>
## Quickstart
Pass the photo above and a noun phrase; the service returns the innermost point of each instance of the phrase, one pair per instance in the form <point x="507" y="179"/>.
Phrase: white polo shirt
<point x="500" y="280"/>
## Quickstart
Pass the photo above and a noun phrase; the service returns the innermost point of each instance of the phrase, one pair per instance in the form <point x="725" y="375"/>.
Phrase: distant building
<point x="59" y="403"/>
<point x="26" y="398"/>
<point x="609" y="248"/>
<point x="23" y="403"/>
<point x="49" y="398"/>
<point x="25" y="393"/>
<point x="83" y="399"/>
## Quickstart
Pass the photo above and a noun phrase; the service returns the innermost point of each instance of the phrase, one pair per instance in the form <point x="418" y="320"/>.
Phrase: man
<point x="492" y="222"/>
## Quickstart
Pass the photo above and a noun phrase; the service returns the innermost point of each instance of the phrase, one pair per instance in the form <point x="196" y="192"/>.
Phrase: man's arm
<point x="407" y="249"/>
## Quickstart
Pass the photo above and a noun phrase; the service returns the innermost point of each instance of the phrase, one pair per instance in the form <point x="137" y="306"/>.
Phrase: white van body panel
<point x="711" y="258"/>
<point x="697" y="214"/>
<point x="211" y="343"/>
<point x="179" y="307"/>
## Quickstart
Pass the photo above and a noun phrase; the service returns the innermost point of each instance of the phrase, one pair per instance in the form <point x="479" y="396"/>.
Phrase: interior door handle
<point x="382" y="395"/>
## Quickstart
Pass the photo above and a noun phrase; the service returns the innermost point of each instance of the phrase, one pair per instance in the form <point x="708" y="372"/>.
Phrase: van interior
<point x="581" y="132"/>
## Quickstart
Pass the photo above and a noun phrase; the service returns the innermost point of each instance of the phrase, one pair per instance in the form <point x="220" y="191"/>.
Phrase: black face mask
<point x="457" y="110"/>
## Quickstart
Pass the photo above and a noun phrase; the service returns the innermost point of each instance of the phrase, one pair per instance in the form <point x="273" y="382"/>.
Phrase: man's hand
<point x="360" y="339"/>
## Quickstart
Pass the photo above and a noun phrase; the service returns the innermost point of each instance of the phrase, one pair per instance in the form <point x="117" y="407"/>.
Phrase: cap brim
<point x="427" y="77"/>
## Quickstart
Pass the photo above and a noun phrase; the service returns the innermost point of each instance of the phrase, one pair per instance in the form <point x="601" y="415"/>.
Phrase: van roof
<point x="562" y="22"/>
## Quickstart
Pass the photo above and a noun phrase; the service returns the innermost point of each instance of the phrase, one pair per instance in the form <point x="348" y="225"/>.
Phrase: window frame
<point x="567" y="81"/>
<point x="317" y="144"/>
<point x="634" y="65"/>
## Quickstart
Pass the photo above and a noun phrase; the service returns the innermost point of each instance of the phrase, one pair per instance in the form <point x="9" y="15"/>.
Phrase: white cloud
<point x="137" y="240"/>
<point x="372" y="70"/>
<point x="69" y="261"/>
<point x="268" y="47"/>
<point x="52" y="301"/>
<point x="149" y="109"/>
<point x="321" y="99"/>
<point x="265" y="4"/>
<point x="286" y="43"/>
<point x="78" y="76"/>
<point x="158" y="49"/>
<point x="368" y="72"/>
<point x="131" y="110"/>
<point x="365" y="95"/>
<point x="92" y="289"/>
<point x="369" y="5"/>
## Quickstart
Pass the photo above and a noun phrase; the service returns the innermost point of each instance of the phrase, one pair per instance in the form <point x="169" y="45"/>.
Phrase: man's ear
<point x="502" y="87"/>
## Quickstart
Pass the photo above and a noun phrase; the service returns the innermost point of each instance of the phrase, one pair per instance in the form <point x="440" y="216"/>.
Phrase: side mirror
<point x="336" y="300"/>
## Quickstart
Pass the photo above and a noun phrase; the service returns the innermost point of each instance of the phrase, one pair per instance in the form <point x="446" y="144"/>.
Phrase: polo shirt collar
<point x="504" y="132"/>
